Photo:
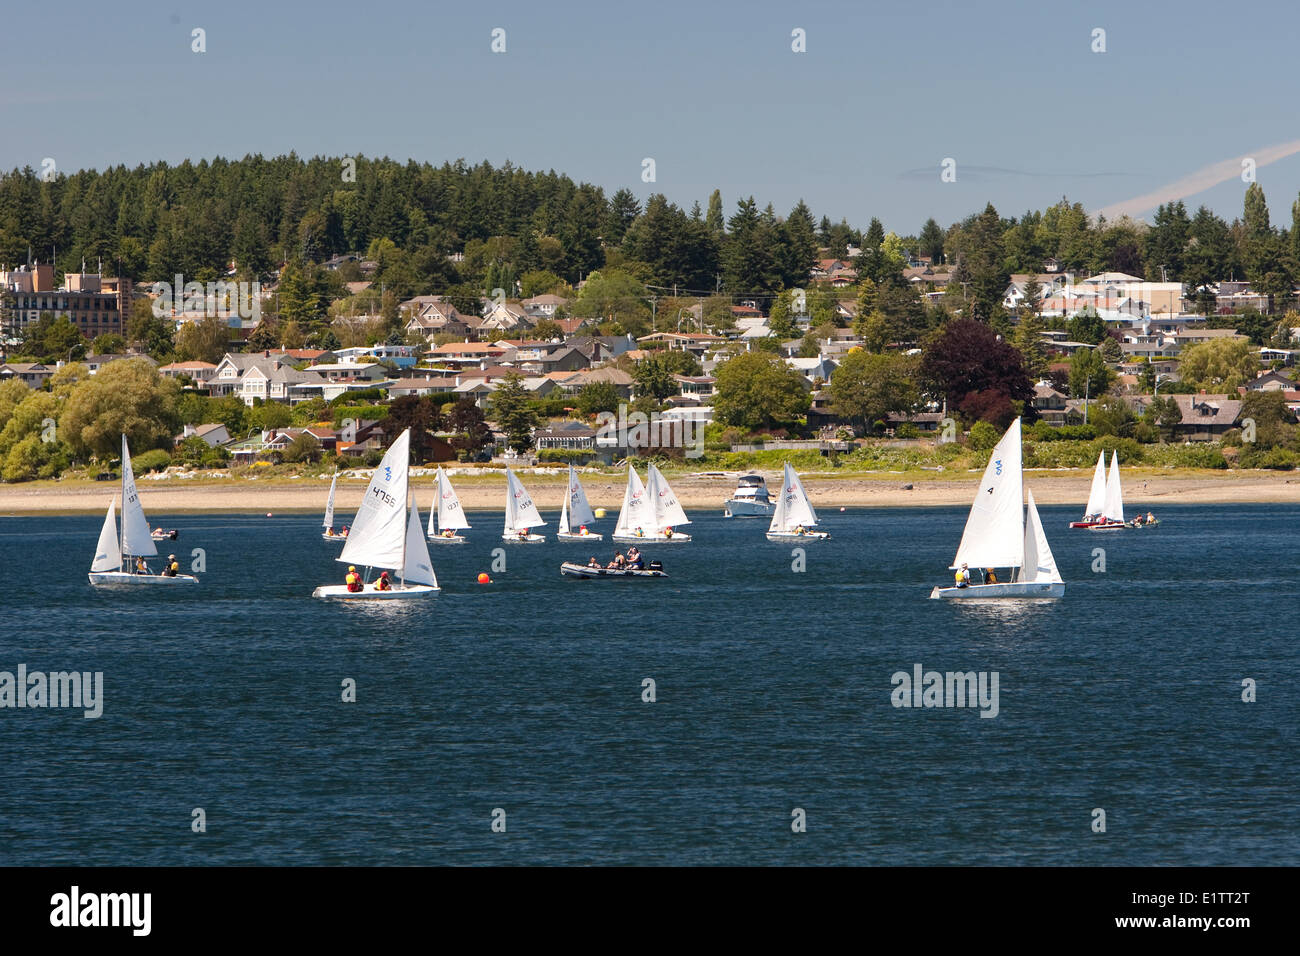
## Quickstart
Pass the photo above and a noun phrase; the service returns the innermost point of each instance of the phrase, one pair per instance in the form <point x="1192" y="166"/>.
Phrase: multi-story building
<point x="93" y="304"/>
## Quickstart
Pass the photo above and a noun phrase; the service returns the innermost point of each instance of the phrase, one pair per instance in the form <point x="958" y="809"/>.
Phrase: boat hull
<point x="165" y="536"/>
<point x="652" y="538"/>
<point x="116" y="578"/>
<point x="589" y="536"/>
<point x="1013" y="590"/>
<point x="530" y="539"/>
<point x="340" y="592"/>
<point x="746" y="508"/>
<point x="791" y="536"/>
<point x="440" y="539"/>
<point x="592" y="574"/>
<point x="334" y="537"/>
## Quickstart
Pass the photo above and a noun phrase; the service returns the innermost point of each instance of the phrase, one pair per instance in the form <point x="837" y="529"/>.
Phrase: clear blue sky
<point x="857" y="125"/>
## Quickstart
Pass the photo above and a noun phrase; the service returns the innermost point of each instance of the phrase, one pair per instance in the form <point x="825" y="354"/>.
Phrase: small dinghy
<point x="652" y="570"/>
<point x="447" y="512"/>
<point x="1105" y="508"/>
<point x="160" y="534"/>
<point x="521" y="514"/>
<point x="794" y="517"/>
<point x="329" y="534"/>
<point x="576" y="511"/>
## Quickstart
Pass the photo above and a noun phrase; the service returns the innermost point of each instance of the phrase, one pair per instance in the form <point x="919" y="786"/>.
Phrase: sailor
<point x="668" y="532"/>
<point x="582" y="529"/>
<point x="990" y="577"/>
<point x="962" y="577"/>
<point x="353" y="580"/>
<point x="345" y="531"/>
<point x="384" y="583"/>
<point x="799" y="529"/>
<point x="171" y="568"/>
<point x="140" y="566"/>
<point x="523" y="534"/>
<point x="593" y="563"/>
<point x="448" y="533"/>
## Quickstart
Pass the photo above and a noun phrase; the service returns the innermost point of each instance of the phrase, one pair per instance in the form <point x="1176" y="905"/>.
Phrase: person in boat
<point x="171" y="568"/>
<point x="640" y="533"/>
<point x="384" y="583"/>
<point x="799" y="530"/>
<point x="990" y="576"/>
<point x="668" y="532"/>
<point x="353" y="580"/>
<point x="1150" y="518"/>
<point x="962" y="577"/>
<point x="448" y="533"/>
<point x="523" y="534"/>
<point x="582" y="529"/>
<point x="140" y="566"/>
<point x="617" y="564"/>
<point x="344" y="532"/>
<point x="634" y="558"/>
<point x="593" y="563"/>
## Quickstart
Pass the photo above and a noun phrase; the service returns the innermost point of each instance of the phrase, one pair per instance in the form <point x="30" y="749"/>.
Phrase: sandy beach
<point x="479" y="492"/>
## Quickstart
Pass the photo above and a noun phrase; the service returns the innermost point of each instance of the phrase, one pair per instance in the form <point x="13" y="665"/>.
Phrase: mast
<point x="406" y="508"/>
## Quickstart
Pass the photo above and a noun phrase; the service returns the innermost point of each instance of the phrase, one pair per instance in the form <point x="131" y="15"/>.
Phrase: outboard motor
<point x="656" y="565"/>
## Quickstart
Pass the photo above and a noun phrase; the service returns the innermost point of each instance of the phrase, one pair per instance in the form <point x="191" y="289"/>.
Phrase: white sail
<point x="564" y="516"/>
<point x="778" y="514"/>
<point x="136" y="539"/>
<point x="668" y="512"/>
<point x="521" y="513"/>
<point x="379" y="528"/>
<point x="1097" y="495"/>
<point x="1039" y="564"/>
<point x="580" y="512"/>
<point x="433" y="508"/>
<point x="636" y="512"/>
<point x="450" y="513"/>
<point x="108" y="556"/>
<point x="995" y="529"/>
<point x="329" y="504"/>
<point x="1114" y="508"/>
<point x="798" y="510"/>
<point x="418" y="569"/>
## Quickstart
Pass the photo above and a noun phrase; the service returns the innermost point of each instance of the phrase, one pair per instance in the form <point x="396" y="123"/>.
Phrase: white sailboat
<point x="136" y="539"/>
<point x="1112" y="511"/>
<point x="329" y="534"/>
<point x="1096" y="496"/>
<point x="384" y="536"/>
<point x="576" y="511"/>
<point x="447" y="512"/>
<point x="521" y="514"/>
<point x="794" y="517"/>
<point x="650" y="512"/>
<point x="1001" y="532"/>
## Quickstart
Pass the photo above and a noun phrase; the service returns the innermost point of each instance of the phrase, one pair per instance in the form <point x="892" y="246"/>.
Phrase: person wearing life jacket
<point x="990" y="577"/>
<point x="448" y="533"/>
<point x="345" y="531"/>
<point x="171" y="568"/>
<point x="384" y="583"/>
<point x="582" y="529"/>
<point x="140" y="566"/>
<point x="962" y="577"/>
<point x="668" y="532"/>
<point x="353" y="580"/>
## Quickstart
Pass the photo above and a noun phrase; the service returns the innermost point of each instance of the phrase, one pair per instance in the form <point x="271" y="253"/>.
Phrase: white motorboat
<point x="749" y="500"/>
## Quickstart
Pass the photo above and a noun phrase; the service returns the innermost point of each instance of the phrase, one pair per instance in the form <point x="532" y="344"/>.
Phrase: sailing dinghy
<point x="448" y="513"/>
<point x="136" y="540"/>
<point x="650" y="512"/>
<point x="384" y="536"/>
<point x="1096" y="496"/>
<point x="1001" y="532"/>
<point x="794" y="517"/>
<point x="329" y="534"/>
<point x="521" y="514"/>
<point x="576" y="511"/>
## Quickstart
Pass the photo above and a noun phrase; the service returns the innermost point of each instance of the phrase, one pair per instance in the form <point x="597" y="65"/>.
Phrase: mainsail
<point x="1039" y="564"/>
<point x="1097" y="495"/>
<point x="1114" y="507"/>
<point x="668" y="512"/>
<point x="108" y="556"/>
<point x="793" y="509"/>
<point x="417" y="568"/>
<point x="379" y="529"/>
<point x="521" y="513"/>
<point x="636" y="511"/>
<point x="995" y="529"/>
<point x="329" y="504"/>
<point x="577" y="510"/>
<point x="136" y="539"/>
<point x="450" y="513"/>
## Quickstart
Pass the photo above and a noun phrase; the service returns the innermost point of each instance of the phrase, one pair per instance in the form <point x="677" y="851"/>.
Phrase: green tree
<point x="1089" y="375"/>
<point x="110" y="343"/>
<point x="758" y="390"/>
<point x="1219" y="364"/>
<point x="1029" y="342"/>
<point x="598" y="397"/>
<point x="514" y="413"/>
<point x="471" y="430"/>
<point x="865" y="388"/>
<point x="203" y="340"/>
<point x="127" y="397"/>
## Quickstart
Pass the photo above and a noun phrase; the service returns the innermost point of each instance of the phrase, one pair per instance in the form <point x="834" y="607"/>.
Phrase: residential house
<point x="568" y="435"/>
<point x="1206" y="417"/>
<point x="31" y="374"/>
<point x="200" y="372"/>
<point x="622" y="381"/>
<point x="214" y="434"/>
<point x="544" y="306"/>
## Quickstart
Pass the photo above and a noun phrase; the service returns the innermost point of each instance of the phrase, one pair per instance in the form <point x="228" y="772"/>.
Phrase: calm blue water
<point x="773" y="692"/>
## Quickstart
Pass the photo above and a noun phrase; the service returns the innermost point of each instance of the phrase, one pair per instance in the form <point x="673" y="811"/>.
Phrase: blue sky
<point x="857" y="126"/>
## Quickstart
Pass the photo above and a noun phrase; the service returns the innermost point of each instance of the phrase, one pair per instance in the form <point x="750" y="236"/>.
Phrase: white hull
<point x="1041" y="590"/>
<point x="657" y="538"/>
<point x="440" y="539"/>
<point x="591" y="574"/>
<point x="791" y="536"/>
<point x="334" y="537"/>
<point x="122" y="577"/>
<point x="530" y="539"/>
<point x="589" y="536"/>
<point x="746" y="508"/>
<point x="398" y="593"/>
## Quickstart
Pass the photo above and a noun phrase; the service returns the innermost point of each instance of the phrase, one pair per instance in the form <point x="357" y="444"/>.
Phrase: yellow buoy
<point x="600" y="512"/>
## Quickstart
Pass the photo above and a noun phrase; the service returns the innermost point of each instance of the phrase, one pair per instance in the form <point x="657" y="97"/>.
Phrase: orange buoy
<point x="483" y="578"/>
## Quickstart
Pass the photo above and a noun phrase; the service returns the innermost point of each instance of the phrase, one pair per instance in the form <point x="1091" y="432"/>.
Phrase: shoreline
<point x="1143" y="488"/>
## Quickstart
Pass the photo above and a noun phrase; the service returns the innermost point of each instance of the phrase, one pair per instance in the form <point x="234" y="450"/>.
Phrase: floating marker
<point x="483" y="578"/>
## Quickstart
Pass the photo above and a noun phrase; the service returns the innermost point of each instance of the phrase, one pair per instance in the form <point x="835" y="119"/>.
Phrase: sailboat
<point x="447" y="512"/>
<point x="576" y="511"/>
<point x="384" y="536"/>
<point x="794" y="517"/>
<point x="521" y="514"/>
<point x="136" y="539"/>
<point x="329" y="533"/>
<point x="1096" y="496"/>
<point x="1003" y="533"/>
<point x="650" y="511"/>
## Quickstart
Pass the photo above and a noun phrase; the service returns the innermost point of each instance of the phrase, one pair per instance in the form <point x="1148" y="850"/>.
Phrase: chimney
<point x="266" y="354"/>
